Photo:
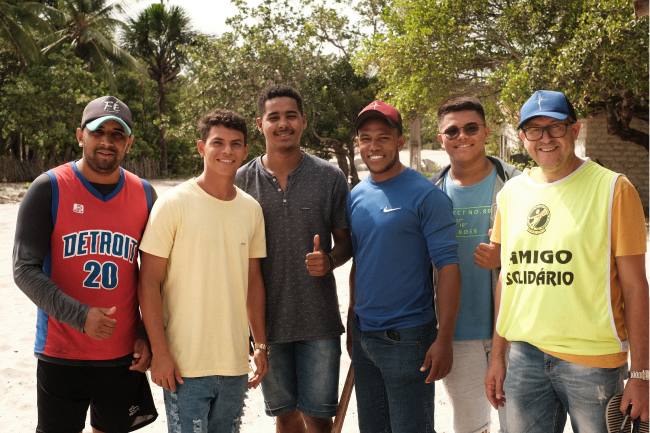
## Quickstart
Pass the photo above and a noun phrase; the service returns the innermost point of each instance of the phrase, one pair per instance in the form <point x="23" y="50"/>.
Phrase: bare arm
<point x="342" y="250"/>
<point x="348" y="334"/>
<point x="634" y="285"/>
<point x="440" y="354"/>
<point x="496" y="374"/>
<point x="164" y="370"/>
<point x="256" y="310"/>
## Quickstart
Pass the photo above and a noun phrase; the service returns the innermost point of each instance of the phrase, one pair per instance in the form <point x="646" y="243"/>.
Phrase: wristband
<point x="644" y="375"/>
<point x="332" y="262"/>
<point x="263" y="347"/>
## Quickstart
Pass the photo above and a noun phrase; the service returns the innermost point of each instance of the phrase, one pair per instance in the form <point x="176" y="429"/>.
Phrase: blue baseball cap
<point x="547" y="103"/>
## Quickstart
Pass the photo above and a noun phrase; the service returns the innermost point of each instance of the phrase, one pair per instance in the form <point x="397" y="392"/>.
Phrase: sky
<point x="208" y="16"/>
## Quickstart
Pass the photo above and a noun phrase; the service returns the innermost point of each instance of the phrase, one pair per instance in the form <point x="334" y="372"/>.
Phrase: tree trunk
<point x="23" y="150"/>
<point x="415" y="145"/>
<point x="340" y="153"/>
<point x="162" y="109"/>
<point x="14" y="139"/>
<point x="144" y="107"/>
<point x="341" y="158"/>
<point x="51" y="159"/>
<point x="354" y="175"/>
<point x="619" y="115"/>
<point x="4" y="148"/>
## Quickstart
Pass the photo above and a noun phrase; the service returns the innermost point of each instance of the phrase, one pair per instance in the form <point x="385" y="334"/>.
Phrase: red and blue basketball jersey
<point x="93" y="259"/>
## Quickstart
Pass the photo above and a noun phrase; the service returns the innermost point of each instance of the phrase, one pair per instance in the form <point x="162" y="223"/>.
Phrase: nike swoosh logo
<point x="390" y="210"/>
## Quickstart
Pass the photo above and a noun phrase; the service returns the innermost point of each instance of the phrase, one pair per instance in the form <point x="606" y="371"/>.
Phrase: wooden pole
<point x="344" y="402"/>
<point x="415" y="145"/>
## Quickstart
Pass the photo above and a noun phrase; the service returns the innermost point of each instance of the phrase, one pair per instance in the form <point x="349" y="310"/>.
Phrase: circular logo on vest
<point x="538" y="218"/>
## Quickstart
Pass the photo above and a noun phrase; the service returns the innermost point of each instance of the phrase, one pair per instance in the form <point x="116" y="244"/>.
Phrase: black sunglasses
<point x="453" y="132"/>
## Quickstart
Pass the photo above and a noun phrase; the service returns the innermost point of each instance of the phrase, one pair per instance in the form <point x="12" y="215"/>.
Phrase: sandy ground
<point x="18" y="411"/>
<point x="18" y="366"/>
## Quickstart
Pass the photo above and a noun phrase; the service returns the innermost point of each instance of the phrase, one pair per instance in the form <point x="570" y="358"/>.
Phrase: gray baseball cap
<point x="106" y="108"/>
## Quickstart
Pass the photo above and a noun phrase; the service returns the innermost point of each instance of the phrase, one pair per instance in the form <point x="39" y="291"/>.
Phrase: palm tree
<point x="156" y="37"/>
<point x="89" y="26"/>
<point x="15" y="25"/>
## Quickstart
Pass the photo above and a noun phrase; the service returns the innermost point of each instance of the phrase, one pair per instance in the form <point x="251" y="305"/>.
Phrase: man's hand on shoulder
<point x="636" y="393"/>
<point x="440" y="358"/>
<point x="142" y="355"/>
<point x="318" y="263"/>
<point x="488" y="256"/>
<point x="98" y="325"/>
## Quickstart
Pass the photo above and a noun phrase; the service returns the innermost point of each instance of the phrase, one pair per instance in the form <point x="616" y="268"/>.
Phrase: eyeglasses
<point x="557" y="130"/>
<point x="453" y="132"/>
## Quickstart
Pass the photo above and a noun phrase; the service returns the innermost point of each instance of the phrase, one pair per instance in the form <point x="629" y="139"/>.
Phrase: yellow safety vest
<point x="555" y="255"/>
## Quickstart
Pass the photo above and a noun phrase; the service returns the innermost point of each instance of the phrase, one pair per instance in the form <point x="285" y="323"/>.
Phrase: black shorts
<point x="119" y="399"/>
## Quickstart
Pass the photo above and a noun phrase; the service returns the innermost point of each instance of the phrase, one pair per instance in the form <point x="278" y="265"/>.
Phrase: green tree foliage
<point x="89" y="27"/>
<point x="275" y="43"/>
<point x="157" y="37"/>
<point x="227" y="75"/>
<point x="42" y="107"/>
<point x="333" y="100"/>
<point x="502" y="51"/>
<point x="16" y="24"/>
<point x="602" y="67"/>
<point x="141" y="95"/>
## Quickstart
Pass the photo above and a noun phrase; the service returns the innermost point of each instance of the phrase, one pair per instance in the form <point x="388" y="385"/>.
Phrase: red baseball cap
<point x="381" y="110"/>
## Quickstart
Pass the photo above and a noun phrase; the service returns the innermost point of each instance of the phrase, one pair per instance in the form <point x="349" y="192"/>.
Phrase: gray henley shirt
<point x="298" y="307"/>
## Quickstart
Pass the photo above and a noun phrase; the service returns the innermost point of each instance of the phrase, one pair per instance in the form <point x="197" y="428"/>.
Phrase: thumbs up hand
<point x="318" y="264"/>
<point x="98" y="325"/>
<point x="317" y="247"/>
<point x="488" y="256"/>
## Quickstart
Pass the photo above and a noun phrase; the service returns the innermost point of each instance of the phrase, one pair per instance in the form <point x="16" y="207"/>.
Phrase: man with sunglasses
<point x="472" y="181"/>
<point x="572" y="295"/>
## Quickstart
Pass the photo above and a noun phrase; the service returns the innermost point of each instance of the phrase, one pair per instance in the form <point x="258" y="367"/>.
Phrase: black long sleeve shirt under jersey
<point x="32" y="240"/>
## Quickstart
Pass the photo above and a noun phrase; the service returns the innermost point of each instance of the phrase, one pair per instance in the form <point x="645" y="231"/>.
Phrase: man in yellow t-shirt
<point x="201" y="286"/>
<point x="572" y="295"/>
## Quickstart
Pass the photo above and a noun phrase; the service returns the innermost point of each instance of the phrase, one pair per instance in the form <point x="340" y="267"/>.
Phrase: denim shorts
<point x="206" y="404"/>
<point x="303" y="375"/>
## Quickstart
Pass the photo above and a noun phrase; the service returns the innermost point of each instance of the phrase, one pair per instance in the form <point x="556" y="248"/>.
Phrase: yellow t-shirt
<point x="628" y="238"/>
<point x="208" y="243"/>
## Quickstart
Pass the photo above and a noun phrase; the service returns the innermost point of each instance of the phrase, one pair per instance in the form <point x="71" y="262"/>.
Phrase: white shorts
<point x="465" y="386"/>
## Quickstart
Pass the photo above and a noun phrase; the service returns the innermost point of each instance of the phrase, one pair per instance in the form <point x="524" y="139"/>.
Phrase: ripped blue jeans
<point x="541" y="389"/>
<point x="210" y="404"/>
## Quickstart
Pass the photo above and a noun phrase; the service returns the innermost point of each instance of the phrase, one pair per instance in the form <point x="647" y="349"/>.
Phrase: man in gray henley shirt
<point x="303" y="200"/>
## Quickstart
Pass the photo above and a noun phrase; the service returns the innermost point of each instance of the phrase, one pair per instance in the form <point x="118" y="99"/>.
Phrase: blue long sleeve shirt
<point x="399" y="226"/>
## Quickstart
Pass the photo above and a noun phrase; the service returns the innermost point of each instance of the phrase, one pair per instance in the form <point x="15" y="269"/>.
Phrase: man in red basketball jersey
<point x="75" y="257"/>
